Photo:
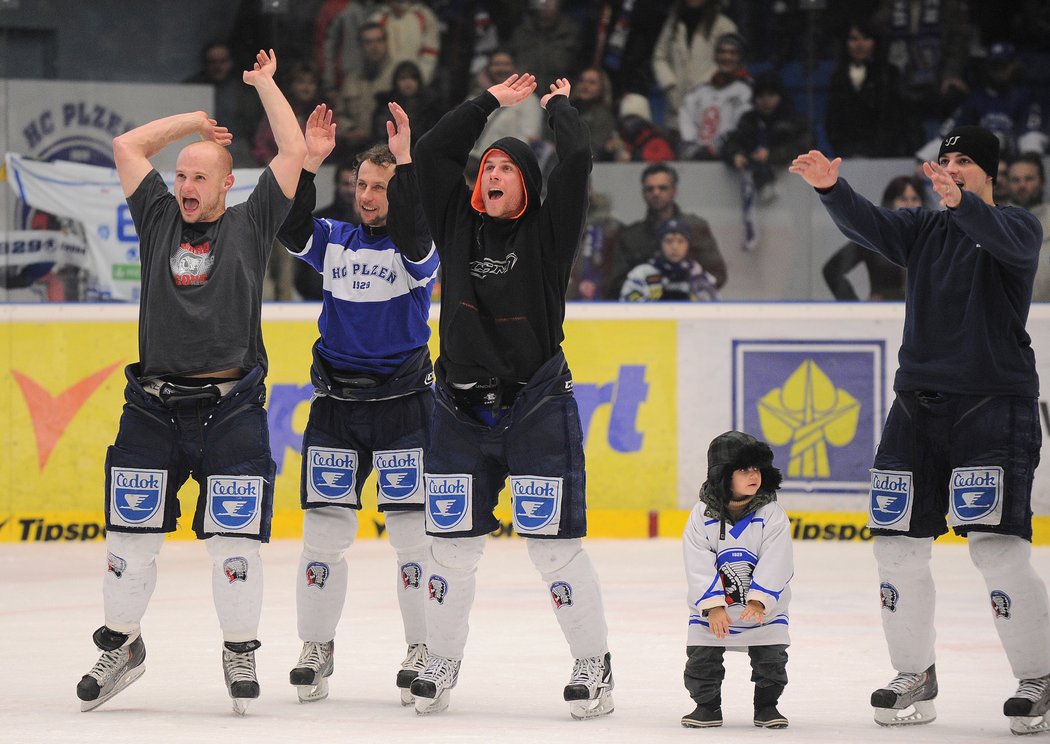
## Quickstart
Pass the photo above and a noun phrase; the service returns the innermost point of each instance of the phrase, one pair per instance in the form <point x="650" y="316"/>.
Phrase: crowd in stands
<point x="750" y="83"/>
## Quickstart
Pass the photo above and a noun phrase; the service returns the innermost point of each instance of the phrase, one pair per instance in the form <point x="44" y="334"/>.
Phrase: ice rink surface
<point x="516" y="659"/>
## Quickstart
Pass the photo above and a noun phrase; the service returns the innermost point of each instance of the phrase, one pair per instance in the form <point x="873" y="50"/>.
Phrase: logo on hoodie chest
<point x="491" y="267"/>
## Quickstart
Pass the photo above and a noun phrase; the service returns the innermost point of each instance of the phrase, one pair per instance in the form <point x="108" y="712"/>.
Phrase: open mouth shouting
<point x="190" y="206"/>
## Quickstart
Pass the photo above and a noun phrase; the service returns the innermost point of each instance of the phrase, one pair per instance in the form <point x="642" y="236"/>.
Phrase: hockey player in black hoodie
<point x="505" y="405"/>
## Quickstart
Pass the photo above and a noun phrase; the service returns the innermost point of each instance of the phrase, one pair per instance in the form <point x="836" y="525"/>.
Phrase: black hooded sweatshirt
<point x="503" y="280"/>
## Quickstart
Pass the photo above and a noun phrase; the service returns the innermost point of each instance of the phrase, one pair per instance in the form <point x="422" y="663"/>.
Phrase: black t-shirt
<point x="200" y="309"/>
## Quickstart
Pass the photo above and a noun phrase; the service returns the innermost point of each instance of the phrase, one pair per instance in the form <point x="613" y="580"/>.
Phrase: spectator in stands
<point x="625" y="37"/>
<point x="590" y="275"/>
<point x="683" y="57"/>
<point x="712" y="110"/>
<point x="863" y="115"/>
<point x="356" y="104"/>
<point x="641" y="240"/>
<point x="412" y="33"/>
<point x="342" y="51"/>
<point x="236" y="105"/>
<point x="303" y="91"/>
<point x="670" y="274"/>
<point x="592" y="97"/>
<point x="928" y="41"/>
<point x="1000" y="104"/>
<point x="1001" y="193"/>
<point x="637" y="138"/>
<point x="885" y="278"/>
<point x="342" y="208"/>
<point x="768" y="135"/>
<point x="524" y="120"/>
<point x="546" y="43"/>
<point x="418" y="101"/>
<point x="1027" y="179"/>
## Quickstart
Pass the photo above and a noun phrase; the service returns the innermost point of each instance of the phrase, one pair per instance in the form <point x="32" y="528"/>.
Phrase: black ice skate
<point x="907" y="700"/>
<point x="119" y="666"/>
<point x="238" y="667"/>
<point x="310" y="676"/>
<point x="433" y="685"/>
<point x="703" y="717"/>
<point x="1028" y="707"/>
<point x="415" y="662"/>
<point x="589" y="692"/>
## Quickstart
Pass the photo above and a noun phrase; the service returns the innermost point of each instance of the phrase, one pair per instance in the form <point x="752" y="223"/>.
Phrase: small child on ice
<point x="738" y="564"/>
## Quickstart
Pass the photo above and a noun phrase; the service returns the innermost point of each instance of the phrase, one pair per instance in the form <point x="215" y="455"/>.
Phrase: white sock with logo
<point x="451" y="581"/>
<point x="131" y="576"/>
<point x="323" y="574"/>
<point x="574" y="593"/>
<point x="908" y="598"/>
<point x="237" y="586"/>
<point x="407" y="533"/>
<point x="1018" y="600"/>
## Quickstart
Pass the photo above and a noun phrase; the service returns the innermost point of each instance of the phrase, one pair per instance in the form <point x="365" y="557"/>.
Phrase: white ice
<point x="516" y="660"/>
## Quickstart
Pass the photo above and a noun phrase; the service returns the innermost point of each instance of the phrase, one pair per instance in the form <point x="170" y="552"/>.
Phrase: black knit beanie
<point x="976" y="142"/>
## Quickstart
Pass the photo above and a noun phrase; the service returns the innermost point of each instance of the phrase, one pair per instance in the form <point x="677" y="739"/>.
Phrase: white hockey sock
<point x="320" y="582"/>
<point x="1018" y="598"/>
<point x="131" y="576"/>
<point x="407" y="533"/>
<point x="908" y="600"/>
<point x="451" y="582"/>
<point x="237" y="586"/>
<point x="574" y="592"/>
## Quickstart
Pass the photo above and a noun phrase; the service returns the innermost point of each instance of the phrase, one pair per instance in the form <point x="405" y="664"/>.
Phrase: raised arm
<point x="132" y="150"/>
<point x="405" y="221"/>
<point x="566" y="202"/>
<point x="298" y="225"/>
<point x="291" y="148"/>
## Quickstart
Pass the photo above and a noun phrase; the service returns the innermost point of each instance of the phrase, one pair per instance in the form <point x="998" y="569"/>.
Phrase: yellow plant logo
<point x="809" y="413"/>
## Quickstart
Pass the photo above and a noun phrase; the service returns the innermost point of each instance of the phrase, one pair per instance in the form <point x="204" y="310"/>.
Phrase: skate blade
<point x="428" y="706"/>
<point x="313" y="693"/>
<point x="1026" y="725"/>
<point x="581" y="710"/>
<point x="240" y="705"/>
<point x="922" y="711"/>
<point x="123" y="683"/>
<point x="407" y="698"/>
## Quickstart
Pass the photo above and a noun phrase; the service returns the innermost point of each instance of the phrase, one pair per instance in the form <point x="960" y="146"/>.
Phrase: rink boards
<point x="653" y="384"/>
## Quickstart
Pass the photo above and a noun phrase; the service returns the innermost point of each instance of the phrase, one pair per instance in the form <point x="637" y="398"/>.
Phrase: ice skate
<point x="589" y="692"/>
<point x="415" y="662"/>
<point x="311" y="673"/>
<point x="907" y="700"/>
<point x="1028" y="707"/>
<point x="238" y="667"/>
<point x="703" y="717"/>
<point x="434" y="684"/>
<point x="119" y="666"/>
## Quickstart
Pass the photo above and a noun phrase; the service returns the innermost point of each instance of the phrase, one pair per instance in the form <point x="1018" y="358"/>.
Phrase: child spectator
<point x="670" y="274"/>
<point x="738" y="564"/>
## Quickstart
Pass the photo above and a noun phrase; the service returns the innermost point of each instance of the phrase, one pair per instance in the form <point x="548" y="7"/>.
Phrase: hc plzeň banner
<point x="62" y="393"/>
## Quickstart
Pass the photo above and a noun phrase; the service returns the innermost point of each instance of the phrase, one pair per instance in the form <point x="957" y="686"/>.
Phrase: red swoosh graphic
<point x="51" y="414"/>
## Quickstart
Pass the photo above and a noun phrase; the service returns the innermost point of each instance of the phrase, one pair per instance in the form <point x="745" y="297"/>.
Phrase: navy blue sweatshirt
<point x="969" y="287"/>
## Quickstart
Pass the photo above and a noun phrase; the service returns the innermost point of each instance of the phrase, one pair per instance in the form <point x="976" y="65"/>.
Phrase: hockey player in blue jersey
<point x="738" y="566"/>
<point x="373" y="401"/>
<point x="962" y="437"/>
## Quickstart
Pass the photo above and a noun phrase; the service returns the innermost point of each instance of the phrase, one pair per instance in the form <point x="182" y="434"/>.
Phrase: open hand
<point x="559" y="87"/>
<point x="943" y="184"/>
<point x="816" y="169"/>
<point x="514" y="89"/>
<point x="754" y="610"/>
<point x="265" y="67"/>
<point x="320" y="135"/>
<point x="210" y="131"/>
<point x="399" y="134"/>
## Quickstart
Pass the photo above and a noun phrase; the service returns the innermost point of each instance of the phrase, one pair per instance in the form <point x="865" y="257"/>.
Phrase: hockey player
<point x="373" y="401"/>
<point x="504" y="391"/>
<point x="962" y="435"/>
<point x="195" y="398"/>
<point x="738" y="565"/>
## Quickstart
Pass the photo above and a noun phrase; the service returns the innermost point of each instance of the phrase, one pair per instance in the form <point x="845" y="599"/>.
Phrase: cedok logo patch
<point x="536" y="504"/>
<point x="448" y="502"/>
<point x="234" y="503"/>
<point x="399" y="473"/>
<point x="136" y="497"/>
<point x="819" y="405"/>
<point x="331" y="473"/>
<point x="976" y="494"/>
<point x="891" y="498"/>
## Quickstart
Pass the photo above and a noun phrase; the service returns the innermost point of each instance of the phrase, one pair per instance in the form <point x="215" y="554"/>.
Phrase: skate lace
<point x="1033" y="689"/>
<point x="587" y="671"/>
<point x="417" y="657"/>
<point x="239" y="667"/>
<point x="906" y="681"/>
<point x="314" y="655"/>
<point x="108" y="663"/>
<point x="440" y="670"/>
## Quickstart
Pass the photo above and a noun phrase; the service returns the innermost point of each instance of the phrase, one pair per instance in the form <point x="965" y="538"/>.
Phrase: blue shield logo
<point x="399" y="473"/>
<point x="537" y="502"/>
<point x="890" y="496"/>
<point x="137" y="494"/>
<point x="975" y="492"/>
<point x="331" y="472"/>
<point x="233" y="501"/>
<point x="448" y="499"/>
